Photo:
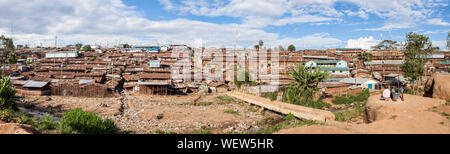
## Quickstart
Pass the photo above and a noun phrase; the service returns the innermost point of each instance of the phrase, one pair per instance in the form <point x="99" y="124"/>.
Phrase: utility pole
<point x="56" y="40"/>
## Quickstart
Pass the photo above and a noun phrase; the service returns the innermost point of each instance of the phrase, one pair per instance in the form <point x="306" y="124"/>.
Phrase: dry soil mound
<point x="13" y="128"/>
<point x="439" y="86"/>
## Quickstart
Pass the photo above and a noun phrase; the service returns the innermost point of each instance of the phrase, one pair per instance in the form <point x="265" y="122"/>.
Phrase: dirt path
<point x="415" y="115"/>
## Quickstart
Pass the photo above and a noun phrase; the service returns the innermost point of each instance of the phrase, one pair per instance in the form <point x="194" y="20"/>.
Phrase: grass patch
<point x="205" y="103"/>
<point x="270" y="95"/>
<point x="197" y="104"/>
<point x="231" y="112"/>
<point x="350" y="99"/>
<point x="252" y="109"/>
<point x="224" y="100"/>
<point x="346" y="115"/>
<point x="11" y="116"/>
<point x="288" y="122"/>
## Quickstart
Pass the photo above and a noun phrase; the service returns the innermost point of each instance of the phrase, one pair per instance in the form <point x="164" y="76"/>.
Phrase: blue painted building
<point x="335" y="67"/>
<point x="146" y="48"/>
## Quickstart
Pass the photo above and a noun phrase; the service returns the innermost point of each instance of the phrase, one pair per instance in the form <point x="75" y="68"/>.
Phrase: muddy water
<point x="39" y="114"/>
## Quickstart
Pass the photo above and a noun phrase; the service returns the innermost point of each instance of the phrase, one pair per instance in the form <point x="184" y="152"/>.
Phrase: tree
<point x="291" y="48"/>
<point x="261" y="43"/>
<point x="306" y="80"/>
<point x="280" y="48"/>
<point x="386" y="45"/>
<point x="12" y="58"/>
<point x="364" y="56"/>
<point x="87" y="48"/>
<point x="8" y="44"/>
<point x="417" y="46"/>
<point x="78" y="46"/>
<point x="256" y="47"/>
<point x="8" y="94"/>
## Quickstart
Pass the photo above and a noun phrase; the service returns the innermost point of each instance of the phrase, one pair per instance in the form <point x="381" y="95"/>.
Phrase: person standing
<point x="324" y="94"/>
<point x="401" y="91"/>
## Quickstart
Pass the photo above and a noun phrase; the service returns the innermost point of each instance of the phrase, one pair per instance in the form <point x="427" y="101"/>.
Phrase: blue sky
<point x="304" y="23"/>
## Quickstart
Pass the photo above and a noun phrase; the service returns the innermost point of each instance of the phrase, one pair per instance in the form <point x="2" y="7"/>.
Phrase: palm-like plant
<point x="306" y="80"/>
<point x="7" y="94"/>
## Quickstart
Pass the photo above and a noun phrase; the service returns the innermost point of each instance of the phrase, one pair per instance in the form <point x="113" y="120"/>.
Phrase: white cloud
<point x="362" y="42"/>
<point x="398" y="14"/>
<point x="111" y="21"/>
<point x="167" y="4"/>
<point x="437" y="21"/>
<point x="442" y="44"/>
<point x="318" y="40"/>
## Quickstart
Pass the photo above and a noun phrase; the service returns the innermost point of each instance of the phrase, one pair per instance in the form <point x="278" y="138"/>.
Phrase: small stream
<point x="39" y="114"/>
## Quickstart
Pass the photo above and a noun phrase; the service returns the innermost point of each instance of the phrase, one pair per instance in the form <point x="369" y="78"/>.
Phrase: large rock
<point x="438" y="86"/>
<point x="13" y="128"/>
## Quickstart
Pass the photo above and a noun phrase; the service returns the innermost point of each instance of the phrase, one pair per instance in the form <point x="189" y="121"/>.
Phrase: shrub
<point x="349" y="98"/>
<point x="8" y="115"/>
<point x="47" y="123"/>
<point x="273" y="95"/>
<point x="246" y="79"/>
<point x="289" y="117"/>
<point x="80" y="122"/>
<point x="7" y="94"/>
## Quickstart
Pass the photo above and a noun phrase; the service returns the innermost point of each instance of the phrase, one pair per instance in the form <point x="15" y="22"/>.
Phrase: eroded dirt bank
<point x="415" y="115"/>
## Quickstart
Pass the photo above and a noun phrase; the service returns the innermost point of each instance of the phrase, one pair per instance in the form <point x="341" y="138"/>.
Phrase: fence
<point x="77" y="90"/>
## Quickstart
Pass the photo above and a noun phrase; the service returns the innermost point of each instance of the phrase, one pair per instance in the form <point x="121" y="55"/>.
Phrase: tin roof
<point x="154" y="83"/>
<point x="35" y="84"/>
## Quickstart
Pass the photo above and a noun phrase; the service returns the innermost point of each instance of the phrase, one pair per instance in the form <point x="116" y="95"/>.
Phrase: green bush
<point x="246" y="79"/>
<point x="7" y="94"/>
<point x="273" y="95"/>
<point x="80" y="122"/>
<point x="8" y="115"/>
<point x="349" y="98"/>
<point x="47" y="123"/>
<point x="319" y="104"/>
<point x="289" y="117"/>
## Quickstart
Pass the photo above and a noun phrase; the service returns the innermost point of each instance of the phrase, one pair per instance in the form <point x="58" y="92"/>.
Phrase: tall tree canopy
<point x="78" y="46"/>
<point x="417" y="47"/>
<point x="291" y="48"/>
<point x="364" y="56"/>
<point x="87" y="48"/>
<point x="386" y="45"/>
